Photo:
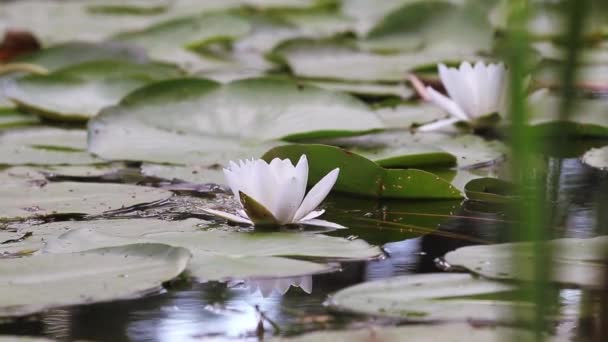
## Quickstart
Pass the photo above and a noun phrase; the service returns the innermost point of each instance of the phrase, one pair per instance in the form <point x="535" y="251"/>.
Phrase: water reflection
<point x="413" y="233"/>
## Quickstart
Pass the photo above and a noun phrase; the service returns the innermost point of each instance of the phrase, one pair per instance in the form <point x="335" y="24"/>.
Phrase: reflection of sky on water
<point x="230" y="311"/>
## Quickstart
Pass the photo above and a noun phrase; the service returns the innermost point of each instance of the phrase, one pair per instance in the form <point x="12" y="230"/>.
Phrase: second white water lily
<point x="474" y="91"/>
<point x="273" y="193"/>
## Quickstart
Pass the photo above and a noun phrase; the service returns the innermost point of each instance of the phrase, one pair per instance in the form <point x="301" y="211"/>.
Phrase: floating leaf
<point x="433" y="25"/>
<point x="408" y="115"/>
<point x="420" y="333"/>
<point x="489" y="190"/>
<point x="591" y="117"/>
<point x="193" y="121"/>
<point x="580" y="262"/>
<point x="189" y="173"/>
<point x="44" y="146"/>
<point x="597" y="157"/>
<point x="340" y="61"/>
<point x="20" y="199"/>
<point x="78" y="92"/>
<point x="38" y="283"/>
<point x="431" y="297"/>
<point x="365" y="89"/>
<point x="361" y="176"/>
<point x="470" y="150"/>
<point x="232" y="255"/>
<point x="10" y="117"/>
<point x="63" y="55"/>
<point x="168" y="41"/>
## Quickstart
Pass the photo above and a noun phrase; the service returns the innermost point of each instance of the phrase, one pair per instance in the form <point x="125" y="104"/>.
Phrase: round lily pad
<point x="579" y="262"/>
<point x="431" y="297"/>
<point x="45" y="146"/>
<point x="194" y="121"/>
<point x="490" y="190"/>
<point x="78" y="92"/>
<point x="38" y="283"/>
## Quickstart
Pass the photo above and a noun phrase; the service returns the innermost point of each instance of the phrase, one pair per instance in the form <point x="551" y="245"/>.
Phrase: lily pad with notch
<point x="363" y="177"/>
<point x="490" y="190"/>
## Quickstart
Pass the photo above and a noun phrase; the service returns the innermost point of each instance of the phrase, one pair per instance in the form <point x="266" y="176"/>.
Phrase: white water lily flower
<point x="474" y="91"/>
<point x="273" y="193"/>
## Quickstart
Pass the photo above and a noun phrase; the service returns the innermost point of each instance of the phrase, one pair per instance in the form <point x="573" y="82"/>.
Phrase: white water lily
<point x="474" y="91"/>
<point x="273" y="193"/>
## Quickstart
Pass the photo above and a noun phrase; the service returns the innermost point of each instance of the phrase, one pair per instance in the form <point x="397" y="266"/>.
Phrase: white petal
<point x="447" y="104"/>
<point x="317" y="194"/>
<point x="468" y="99"/>
<point x="438" y="124"/>
<point x="313" y="214"/>
<point x="228" y="216"/>
<point x="322" y="223"/>
<point x="287" y="201"/>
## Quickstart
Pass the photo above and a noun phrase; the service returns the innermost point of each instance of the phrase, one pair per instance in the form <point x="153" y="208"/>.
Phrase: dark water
<point x="417" y="233"/>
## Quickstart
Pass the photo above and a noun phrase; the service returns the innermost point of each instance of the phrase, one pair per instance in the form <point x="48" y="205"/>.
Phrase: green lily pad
<point x="489" y="190"/>
<point x="365" y="89"/>
<point x="45" y="146"/>
<point x="218" y="255"/>
<point x="470" y="150"/>
<point x="63" y="55"/>
<point x="578" y="262"/>
<point x="329" y="60"/>
<point x="78" y="92"/>
<point x="597" y="157"/>
<point x="21" y="199"/>
<point x="591" y="117"/>
<point x="431" y="297"/>
<point x="420" y="333"/>
<point x="194" y="121"/>
<point x="10" y="117"/>
<point x="169" y="40"/>
<point x="433" y="25"/>
<point x="409" y="115"/>
<point x="361" y="176"/>
<point x="38" y="283"/>
<point x="189" y="173"/>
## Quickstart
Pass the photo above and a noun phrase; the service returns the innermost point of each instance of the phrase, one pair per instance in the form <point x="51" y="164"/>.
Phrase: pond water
<point x="414" y="235"/>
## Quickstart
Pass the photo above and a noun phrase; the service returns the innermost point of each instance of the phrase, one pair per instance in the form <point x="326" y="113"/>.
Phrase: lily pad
<point x="221" y="255"/>
<point x="45" y="146"/>
<point x="38" y="283"/>
<point x="10" y="117"/>
<point x="597" y="157"/>
<point x="63" y="55"/>
<point x="78" y="92"/>
<point x="421" y="333"/>
<point x="470" y="151"/>
<point x="194" y="121"/>
<point x="188" y="173"/>
<point x="433" y="25"/>
<point x="169" y="40"/>
<point x="365" y="89"/>
<point x="490" y="190"/>
<point x="578" y="262"/>
<point x="341" y="61"/>
<point x="431" y="297"/>
<point x="591" y="117"/>
<point x="361" y="176"/>
<point x="21" y="199"/>
<point x="409" y="115"/>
